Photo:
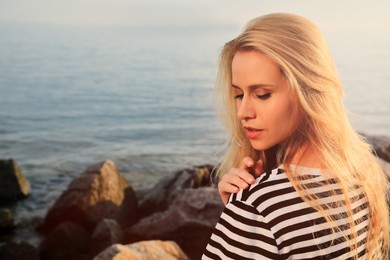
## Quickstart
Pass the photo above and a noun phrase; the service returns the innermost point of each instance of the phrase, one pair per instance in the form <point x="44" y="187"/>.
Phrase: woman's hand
<point x="239" y="178"/>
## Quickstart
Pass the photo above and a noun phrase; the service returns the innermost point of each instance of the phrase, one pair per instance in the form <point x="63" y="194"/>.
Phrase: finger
<point x="237" y="175"/>
<point x="239" y="182"/>
<point x="225" y="188"/>
<point x="246" y="163"/>
<point x="258" y="168"/>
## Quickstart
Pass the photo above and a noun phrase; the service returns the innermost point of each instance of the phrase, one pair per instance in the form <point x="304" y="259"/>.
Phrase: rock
<point x="189" y="221"/>
<point x="7" y="220"/>
<point x="67" y="241"/>
<point x="381" y="145"/>
<point x="385" y="166"/>
<point x="18" y="251"/>
<point x="106" y="233"/>
<point x="166" y="190"/>
<point x="128" y="214"/>
<point x="167" y="250"/>
<point x="99" y="192"/>
<point x="13" y="185"/>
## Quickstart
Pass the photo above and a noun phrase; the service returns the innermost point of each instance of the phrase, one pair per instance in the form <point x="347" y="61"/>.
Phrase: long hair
<point x="298" y="47"/>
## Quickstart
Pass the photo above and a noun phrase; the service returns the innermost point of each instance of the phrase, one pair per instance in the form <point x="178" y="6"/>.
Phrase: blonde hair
<point x="298" y="47"/>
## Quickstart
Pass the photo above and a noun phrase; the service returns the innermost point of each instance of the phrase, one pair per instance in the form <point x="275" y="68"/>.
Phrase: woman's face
<point x="263" y="99"/>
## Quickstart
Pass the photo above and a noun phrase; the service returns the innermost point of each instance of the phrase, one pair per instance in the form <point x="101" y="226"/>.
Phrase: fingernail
<point x="251" y="180"/>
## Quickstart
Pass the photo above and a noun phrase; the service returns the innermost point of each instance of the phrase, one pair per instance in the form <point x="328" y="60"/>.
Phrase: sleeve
<point x="241" y="233"/>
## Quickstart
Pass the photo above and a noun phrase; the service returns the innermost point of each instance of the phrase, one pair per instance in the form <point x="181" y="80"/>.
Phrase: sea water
<point x="142" y="97"/>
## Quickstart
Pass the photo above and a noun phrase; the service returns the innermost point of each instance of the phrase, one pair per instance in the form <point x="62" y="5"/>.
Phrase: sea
<point x="71" y="97"/>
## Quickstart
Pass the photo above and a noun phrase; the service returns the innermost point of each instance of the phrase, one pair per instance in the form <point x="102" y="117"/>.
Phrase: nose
<point x="245" y="110"/>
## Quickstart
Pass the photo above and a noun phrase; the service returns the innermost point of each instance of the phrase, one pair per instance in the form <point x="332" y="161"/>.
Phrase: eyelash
<point x="265" y="96"/>
<point x="238" y="96"/>
<point x="262" y="97"/>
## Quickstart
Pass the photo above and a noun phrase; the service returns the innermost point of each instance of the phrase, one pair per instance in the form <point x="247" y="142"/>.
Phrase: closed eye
<point x="239" y="96"/>
<point x="265" y="96"/>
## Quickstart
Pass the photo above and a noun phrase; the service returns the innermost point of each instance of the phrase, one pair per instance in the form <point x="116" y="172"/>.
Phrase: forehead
<point x="253" y="67"/>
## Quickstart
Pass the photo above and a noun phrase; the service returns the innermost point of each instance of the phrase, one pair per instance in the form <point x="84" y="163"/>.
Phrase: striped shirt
<point x="269" y="220"/>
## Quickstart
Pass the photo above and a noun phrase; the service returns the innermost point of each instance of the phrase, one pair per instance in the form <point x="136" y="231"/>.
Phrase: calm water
<point x="71" y="97"/>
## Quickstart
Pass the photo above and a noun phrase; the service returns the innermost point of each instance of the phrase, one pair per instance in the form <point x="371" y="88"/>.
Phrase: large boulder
<point x="7" y="220"/>
<point x="18" y="251"/>
<point x="385" y="166"/>
<point x="13" y="185"/>
<point x="189" y="221"/>
<point x="106" y="233"/>
<point x="381" y="145"/>
<point x="99" y="192"/>
<point x="67" y="241"/>
<point x="167" y="189"/>
<point x="166" y="250"/>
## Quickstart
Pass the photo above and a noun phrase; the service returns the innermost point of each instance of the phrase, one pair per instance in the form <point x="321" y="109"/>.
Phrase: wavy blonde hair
<point x="298" y="47"/>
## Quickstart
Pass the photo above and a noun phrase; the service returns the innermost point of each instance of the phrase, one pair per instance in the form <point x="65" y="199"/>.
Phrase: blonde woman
<point x="322" y="194"/>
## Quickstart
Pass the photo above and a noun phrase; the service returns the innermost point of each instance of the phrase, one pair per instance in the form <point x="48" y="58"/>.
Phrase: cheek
<point x="236" y="107"/>
<point x="284" y="115"/>
<point x="279" y="110"/>
<point x="289" y="119"/>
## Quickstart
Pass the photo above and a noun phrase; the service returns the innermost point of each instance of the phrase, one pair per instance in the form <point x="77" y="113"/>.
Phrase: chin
<point x="260" y="146"/>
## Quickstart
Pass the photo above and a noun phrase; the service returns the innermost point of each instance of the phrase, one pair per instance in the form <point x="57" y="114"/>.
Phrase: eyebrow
<point x="255" y="86"/>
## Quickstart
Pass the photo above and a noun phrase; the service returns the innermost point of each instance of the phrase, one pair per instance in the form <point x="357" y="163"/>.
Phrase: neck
<point x="306" y="156"/>
<point x="271" y="158"/>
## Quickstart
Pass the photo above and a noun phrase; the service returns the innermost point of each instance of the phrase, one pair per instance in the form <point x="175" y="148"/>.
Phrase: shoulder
<point x="269" y="185"/>
<point x="273" y="190"/>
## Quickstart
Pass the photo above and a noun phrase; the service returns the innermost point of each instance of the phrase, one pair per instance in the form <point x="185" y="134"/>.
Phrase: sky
<point x="341" y="15"/>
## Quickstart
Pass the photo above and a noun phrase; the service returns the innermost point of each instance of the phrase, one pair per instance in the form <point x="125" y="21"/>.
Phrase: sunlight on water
<point x="72" y="97"/>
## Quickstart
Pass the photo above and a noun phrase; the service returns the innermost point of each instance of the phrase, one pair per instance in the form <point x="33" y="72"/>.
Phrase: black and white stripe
<point x="269" y="220"/>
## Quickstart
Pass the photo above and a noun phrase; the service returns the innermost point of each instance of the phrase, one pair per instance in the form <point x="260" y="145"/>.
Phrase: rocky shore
<point x="102" y="216"/>
<point x="99" y="216"/>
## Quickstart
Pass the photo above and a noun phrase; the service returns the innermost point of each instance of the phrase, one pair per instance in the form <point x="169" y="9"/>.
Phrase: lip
<point x="252" y="133"/>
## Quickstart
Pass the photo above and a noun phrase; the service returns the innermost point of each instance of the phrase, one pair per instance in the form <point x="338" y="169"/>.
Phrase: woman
<point x="323" y="195"/>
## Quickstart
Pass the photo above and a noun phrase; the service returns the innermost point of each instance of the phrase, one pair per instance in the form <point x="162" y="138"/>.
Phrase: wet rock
<point x="166" y="250"/>
<point x="189" y="221"/>
<point x="99" y="192"/>
<point x="385" y="166"/>
<point x="106" y="233"/>
<point x="381" y="145"/>
<point x="7" y="221"/>
<point x="13" y="185"/>
<point x="67" y="241"/>
<point x="18" y="251"/>
<point x="165" y="192"/>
